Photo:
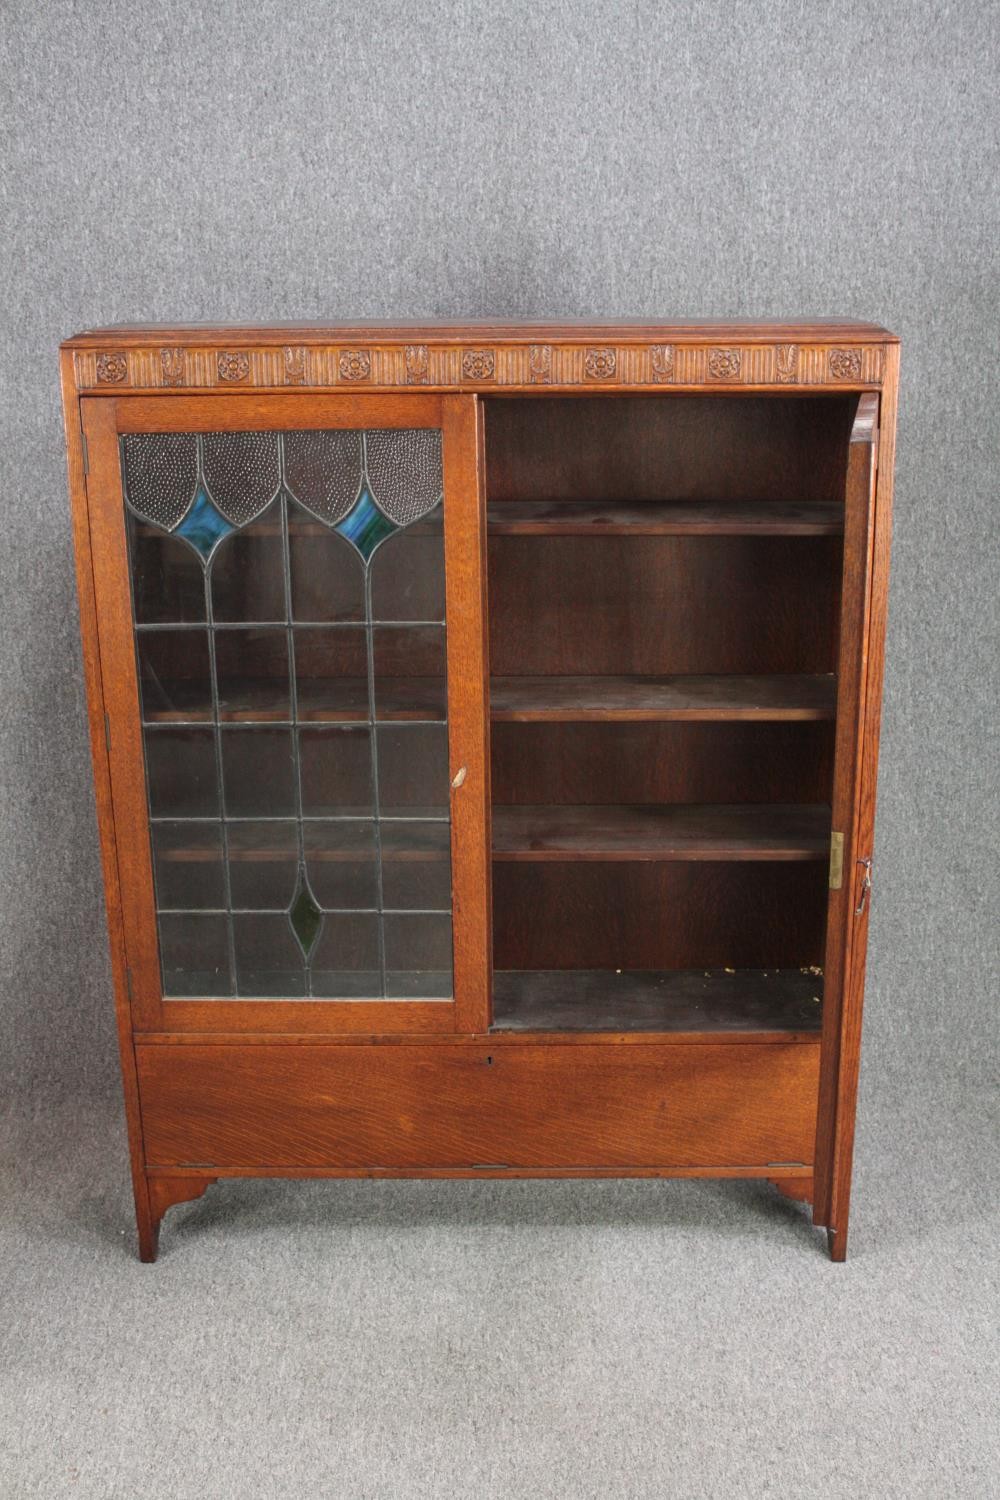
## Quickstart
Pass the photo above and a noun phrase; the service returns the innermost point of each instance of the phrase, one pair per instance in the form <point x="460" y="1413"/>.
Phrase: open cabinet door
<point x="868" y="501"/>
<point x="290" y="611"/>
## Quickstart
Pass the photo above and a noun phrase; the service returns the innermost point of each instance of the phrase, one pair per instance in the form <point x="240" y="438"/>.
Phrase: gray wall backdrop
<point x="273" y="159"/>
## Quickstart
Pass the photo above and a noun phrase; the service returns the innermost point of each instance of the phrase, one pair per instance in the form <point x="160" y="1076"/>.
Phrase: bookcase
<point x="485" y="728"/>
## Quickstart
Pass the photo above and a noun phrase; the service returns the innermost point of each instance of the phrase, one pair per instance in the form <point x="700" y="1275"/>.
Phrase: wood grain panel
<point x="646" y="448"/>
<point x="658" y="916"/>
<point x="568" y="606"/>
<point x="651" y="763"/>
<point x="532" y="1106"/>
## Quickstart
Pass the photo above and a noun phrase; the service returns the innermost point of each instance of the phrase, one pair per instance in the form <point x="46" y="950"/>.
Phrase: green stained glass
<point x="365" y="525"/>
<point x="304" y="915"/>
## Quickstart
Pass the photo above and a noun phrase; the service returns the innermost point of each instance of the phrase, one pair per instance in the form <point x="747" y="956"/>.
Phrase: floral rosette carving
<point x="233" y="365"/>
<point x="845" y="364"/>
<point x="478" y="364"/>
<point x="724" y="364"/>
<point x="295" y="365"/>
<point x="540" y="363"/>
<point x="600" y="364"/>
<point x="786" y="362"/>
<point x="355" y="364"/>
<point x="662" y="362"/>
<point x="112" y="369"/>
<point x="417" y="364"/>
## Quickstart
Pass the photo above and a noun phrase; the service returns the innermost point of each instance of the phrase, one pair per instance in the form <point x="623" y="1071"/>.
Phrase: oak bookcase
<point x="485" y="722"/>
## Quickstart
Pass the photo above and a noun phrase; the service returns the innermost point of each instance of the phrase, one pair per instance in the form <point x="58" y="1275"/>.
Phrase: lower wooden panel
<point x="424" y="1106"/>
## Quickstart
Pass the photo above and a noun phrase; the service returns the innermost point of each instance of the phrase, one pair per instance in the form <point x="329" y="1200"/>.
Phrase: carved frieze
<point x="724" y="364"/>
<point x="540" y="363"/>
<point x="355" y="364"/>
<point x="172" y="366"/>
<point x="294" y="360"/>
<point x="417" y="364"/>
<point x="786" y="363"/>
<point x="112" y="369"/>
<point x="845" y="364"/>
<point x="661" y="358"/>
<point x="600" y="364"/>
<point x="233" y="365"/>
<point x="478" y="364"/>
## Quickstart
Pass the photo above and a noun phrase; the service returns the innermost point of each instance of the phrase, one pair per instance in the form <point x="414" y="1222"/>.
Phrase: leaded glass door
<point x="288" y="585"/>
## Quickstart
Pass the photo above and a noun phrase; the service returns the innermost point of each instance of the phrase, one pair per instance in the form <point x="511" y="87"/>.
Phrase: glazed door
<point x="290" y="611"/>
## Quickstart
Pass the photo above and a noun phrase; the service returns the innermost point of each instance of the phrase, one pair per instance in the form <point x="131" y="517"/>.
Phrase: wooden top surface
<point x="680" y="331"/>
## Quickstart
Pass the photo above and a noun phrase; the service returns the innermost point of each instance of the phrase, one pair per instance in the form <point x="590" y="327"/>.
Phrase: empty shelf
<point x="553" y="699"/>
<point x="678" y="832"/>
<point x="687" y="518"/>
<point x="684" y="1001"/>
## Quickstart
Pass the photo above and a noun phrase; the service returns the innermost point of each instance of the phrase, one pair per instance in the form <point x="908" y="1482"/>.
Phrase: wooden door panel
<point x="239" y="700"/>
<point x="411" y="1106"/>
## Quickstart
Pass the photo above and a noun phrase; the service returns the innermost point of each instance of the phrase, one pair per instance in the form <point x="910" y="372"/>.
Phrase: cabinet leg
<point x="164" y="1192"/>
<point x="798" y="1188"/>
<point x="836" y="1239"/>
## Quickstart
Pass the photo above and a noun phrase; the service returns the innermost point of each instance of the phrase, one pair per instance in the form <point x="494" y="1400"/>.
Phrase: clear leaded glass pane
<point x="288" y="597"/>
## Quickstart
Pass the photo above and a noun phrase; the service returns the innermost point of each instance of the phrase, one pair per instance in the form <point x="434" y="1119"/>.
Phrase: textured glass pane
<point x="161" y="474"/>
<point x="410" y="672"/>
<point x="341" y="861"/>
<point x="331" y="674"/>
<point x="269" y="961"/>
<point x="194" y="955"/>
<point x="263" y="864"/>
<point x="242" y="471"/>
<point x="418" y="955"/>
<point x="181" y="773"/>
<point x="323" y="471"/>
<point x="175" y="677"/>
<point x="408" y="573"/>
<point x="327" y="577"/>
<point x="168" y="580"/>
<point x="258" y="773"/>
<point x="413" y="770"/>
<point x="336" y="773"/>
<point x="404" y="471"/>
<point x="416" y="866"/>
<point x="251" y="669"/>
<point x="345" y="961"/>
<point x="187" y="862"/>
<point x="289" y="598"/>
<point x="248" y="573"/>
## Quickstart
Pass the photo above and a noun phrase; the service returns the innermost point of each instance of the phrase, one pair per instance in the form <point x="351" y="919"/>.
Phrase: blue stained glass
<point x="203" y="526"/>
<point x="365" y="525"/>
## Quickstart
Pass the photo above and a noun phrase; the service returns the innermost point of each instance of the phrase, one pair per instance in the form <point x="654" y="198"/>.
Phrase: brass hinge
<point x="836" y="861"/>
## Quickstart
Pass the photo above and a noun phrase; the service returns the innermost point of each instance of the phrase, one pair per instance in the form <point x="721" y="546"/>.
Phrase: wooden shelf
<point x="651" y="518"/>
<point x="328" y="701"/>
<point x="744" y="831"/>
<point x="689" y="1002"/>
<point x="576" y="699"/>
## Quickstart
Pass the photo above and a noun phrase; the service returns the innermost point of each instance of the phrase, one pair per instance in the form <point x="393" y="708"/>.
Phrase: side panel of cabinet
<point x="104" y="421"/>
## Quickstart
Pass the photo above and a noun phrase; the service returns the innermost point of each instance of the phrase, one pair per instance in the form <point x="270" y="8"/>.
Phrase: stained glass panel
<point x="288" y="594"/>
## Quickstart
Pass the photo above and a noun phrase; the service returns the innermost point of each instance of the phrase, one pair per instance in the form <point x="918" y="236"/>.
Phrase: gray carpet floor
<point x="404" y="1339"/>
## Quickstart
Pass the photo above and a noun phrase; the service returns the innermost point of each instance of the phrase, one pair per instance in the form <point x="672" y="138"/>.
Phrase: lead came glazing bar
<point x="242" y="736"/>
